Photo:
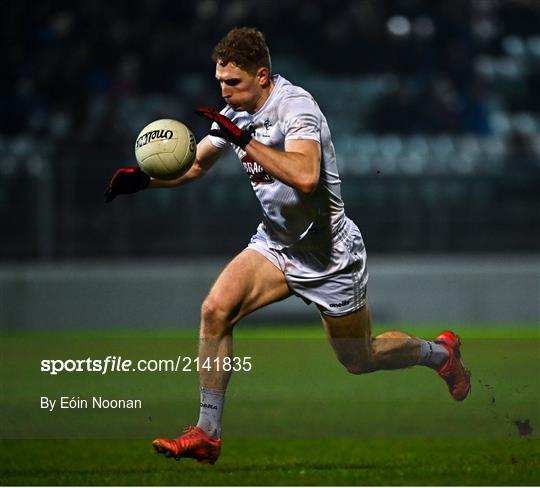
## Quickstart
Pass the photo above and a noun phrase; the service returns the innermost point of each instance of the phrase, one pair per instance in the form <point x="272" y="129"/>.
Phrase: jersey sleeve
<point x="301" y="119"/>
<point x="218" y="141"/>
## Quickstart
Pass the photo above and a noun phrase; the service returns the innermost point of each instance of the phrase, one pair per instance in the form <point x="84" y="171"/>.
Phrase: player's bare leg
<point x="249" y="281"/>
<point x="359" y="352"/>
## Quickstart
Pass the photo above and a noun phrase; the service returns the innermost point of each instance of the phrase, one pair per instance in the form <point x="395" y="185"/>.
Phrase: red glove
<point x="126" y="181"/>
<point x="228" y="130"/>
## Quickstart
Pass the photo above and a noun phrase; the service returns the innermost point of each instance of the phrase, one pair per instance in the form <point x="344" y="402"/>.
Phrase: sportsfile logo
<point x="153" y="135"/>
<point x="119" y="364"/>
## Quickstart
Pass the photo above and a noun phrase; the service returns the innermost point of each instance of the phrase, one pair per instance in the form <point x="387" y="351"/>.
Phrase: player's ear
<point x="263" y="76"/>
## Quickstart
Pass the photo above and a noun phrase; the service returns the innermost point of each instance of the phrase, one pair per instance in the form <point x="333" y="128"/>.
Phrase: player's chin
<point x="236" y="107"/>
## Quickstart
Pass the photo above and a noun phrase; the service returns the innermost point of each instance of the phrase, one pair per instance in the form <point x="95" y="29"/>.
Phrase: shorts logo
<point x="340" y="304"/>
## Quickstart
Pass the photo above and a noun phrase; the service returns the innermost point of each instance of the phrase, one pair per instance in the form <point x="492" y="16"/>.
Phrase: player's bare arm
<point x="207" y="155"/>
<point x="131" y="180"/>
<point x="298" y="166"/>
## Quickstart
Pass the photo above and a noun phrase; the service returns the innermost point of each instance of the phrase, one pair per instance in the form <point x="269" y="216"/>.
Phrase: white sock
<point x="432" y="354"/>
<point x="211" y="411"/>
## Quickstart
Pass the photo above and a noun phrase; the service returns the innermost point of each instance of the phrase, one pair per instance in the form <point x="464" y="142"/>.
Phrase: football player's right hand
<point x="126" y="181"/>
<point x="228" y="130"/>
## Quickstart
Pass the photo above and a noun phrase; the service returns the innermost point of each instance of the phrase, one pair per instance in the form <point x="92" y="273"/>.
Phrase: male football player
<point x="305" y="244"/>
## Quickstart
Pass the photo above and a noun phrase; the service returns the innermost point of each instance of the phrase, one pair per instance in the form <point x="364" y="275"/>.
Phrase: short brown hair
<point x="245" y="47"/>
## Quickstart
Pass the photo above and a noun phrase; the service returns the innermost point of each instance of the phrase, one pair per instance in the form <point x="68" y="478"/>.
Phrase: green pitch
<point x="315" y="462"/>
<point x="297" y="418"/>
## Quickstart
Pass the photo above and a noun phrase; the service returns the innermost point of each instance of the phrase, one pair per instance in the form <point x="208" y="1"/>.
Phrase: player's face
<point x="242" y="90"/>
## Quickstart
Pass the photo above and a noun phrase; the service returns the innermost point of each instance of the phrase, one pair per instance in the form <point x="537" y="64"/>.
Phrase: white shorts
<point x="329" y="271"/>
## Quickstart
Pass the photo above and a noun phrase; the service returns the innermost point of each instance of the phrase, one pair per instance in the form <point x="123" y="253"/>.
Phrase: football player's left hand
<point x="126" y="181"/>
<point x="228" y="130"/>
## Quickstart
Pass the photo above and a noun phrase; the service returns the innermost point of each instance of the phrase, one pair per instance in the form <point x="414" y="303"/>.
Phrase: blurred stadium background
<point x="435" y="114"/>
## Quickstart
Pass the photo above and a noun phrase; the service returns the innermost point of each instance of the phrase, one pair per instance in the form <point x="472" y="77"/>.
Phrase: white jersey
<point x="290" y="112"/>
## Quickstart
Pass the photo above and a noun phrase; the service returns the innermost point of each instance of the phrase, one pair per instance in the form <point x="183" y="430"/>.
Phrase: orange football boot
<point x="195" y="443"/>
<point x="457" y="377"/>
